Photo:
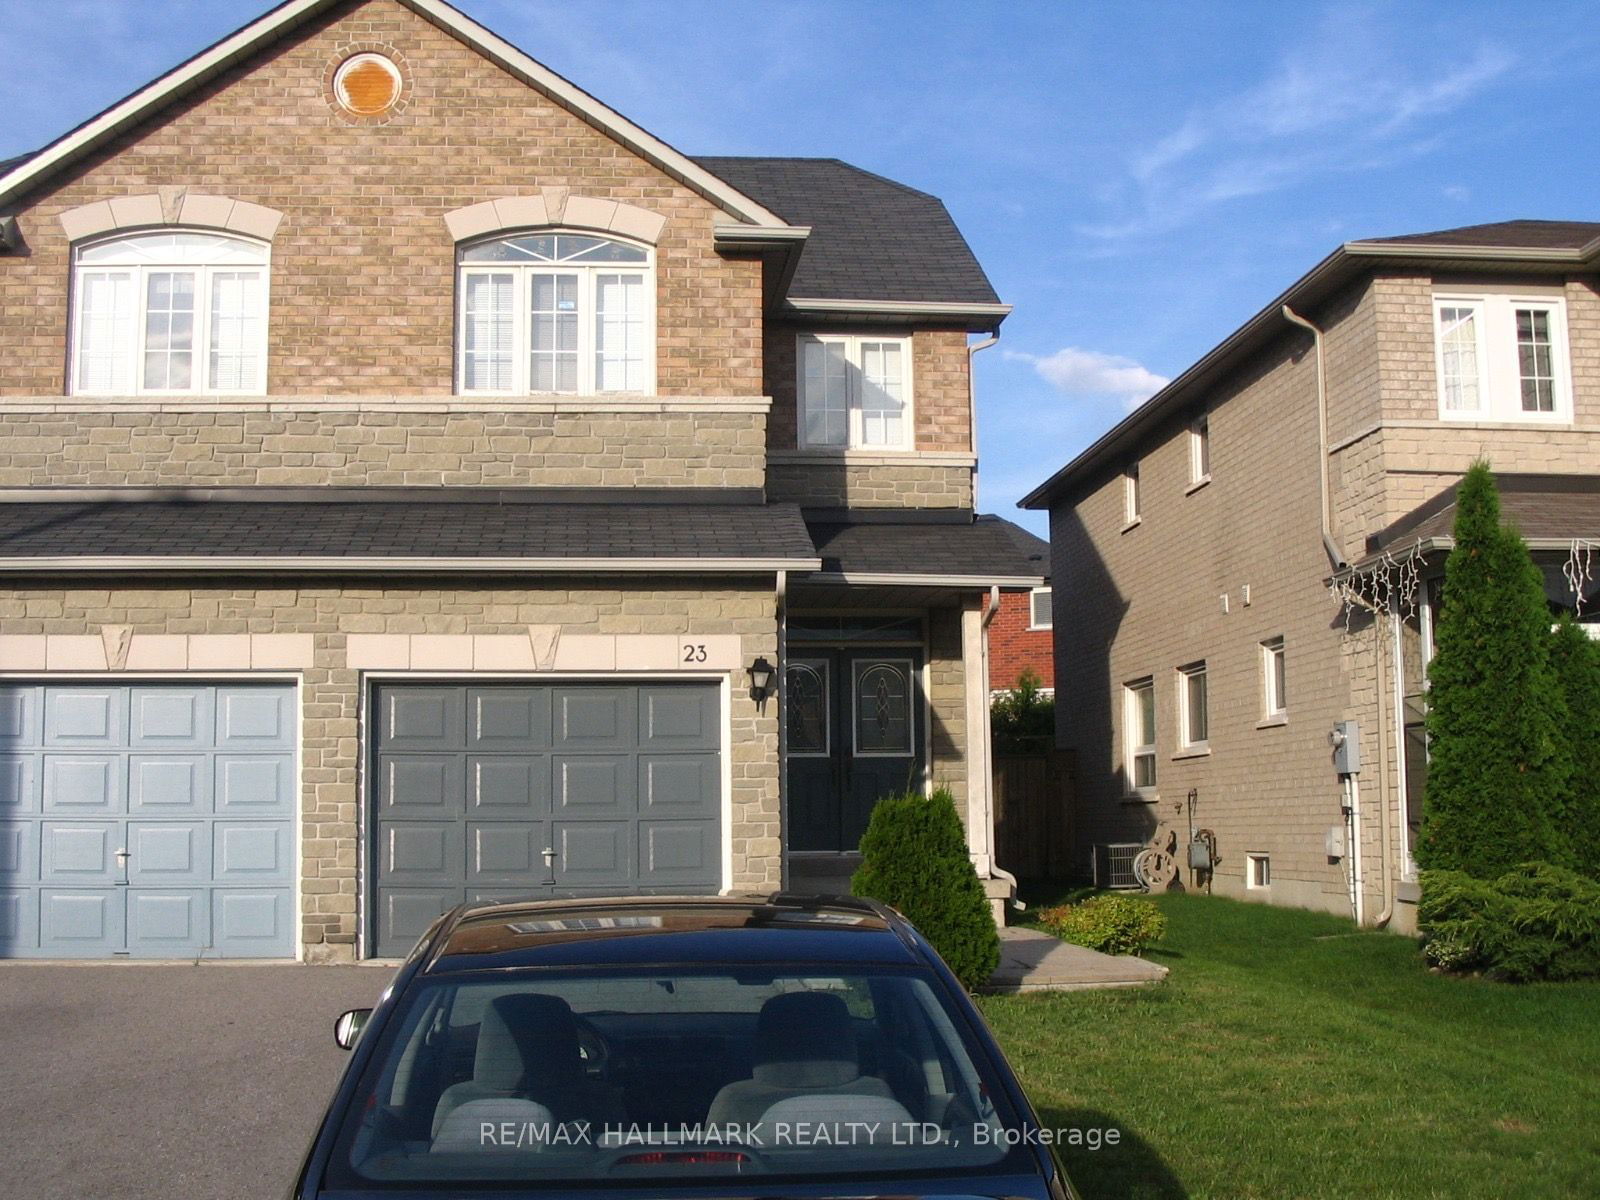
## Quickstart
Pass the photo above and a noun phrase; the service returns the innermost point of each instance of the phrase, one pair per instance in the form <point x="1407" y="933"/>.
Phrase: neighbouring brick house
<point x="412" y="473"/>
<point x="1020" y="633"/>
<point x="1255" y="554"/>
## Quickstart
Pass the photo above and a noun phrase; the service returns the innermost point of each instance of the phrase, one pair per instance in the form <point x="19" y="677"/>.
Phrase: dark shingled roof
<point x="871" y="238"/>
<point x="1540" y="507"/>
<point x="1529" y="235"/>
<point x="985" y="548"/>
<point x="350" y="530"/>
<point x="7" y="163"/>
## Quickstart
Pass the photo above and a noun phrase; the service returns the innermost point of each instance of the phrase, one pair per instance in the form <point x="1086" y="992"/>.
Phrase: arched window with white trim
<point x="177" y="312"/>
<point x="556" y="312"/>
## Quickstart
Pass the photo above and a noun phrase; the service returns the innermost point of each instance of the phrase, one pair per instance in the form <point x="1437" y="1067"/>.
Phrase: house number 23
<point x="694" y="652"/>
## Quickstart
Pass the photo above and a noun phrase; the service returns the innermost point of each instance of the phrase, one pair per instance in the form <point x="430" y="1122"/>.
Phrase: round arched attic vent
<point x="367" y="85"/>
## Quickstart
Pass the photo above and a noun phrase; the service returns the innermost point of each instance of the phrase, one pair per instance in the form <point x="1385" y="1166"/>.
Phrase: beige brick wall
<point x="331" y="768"/>
<point x="363" y="270"/>
<point x="845" y="485"/>
<point x="137" y="446"/>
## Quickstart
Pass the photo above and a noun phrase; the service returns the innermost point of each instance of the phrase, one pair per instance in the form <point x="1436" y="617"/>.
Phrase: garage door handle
<point x="549" y="856"/>
<point x="122" y="857"/>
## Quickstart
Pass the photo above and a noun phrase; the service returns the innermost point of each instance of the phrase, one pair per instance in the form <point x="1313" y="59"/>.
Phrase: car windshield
<point x="670" y="1074"/>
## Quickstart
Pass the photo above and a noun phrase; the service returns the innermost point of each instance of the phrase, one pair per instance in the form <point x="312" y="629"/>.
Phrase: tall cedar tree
<point x="1575" y="659"/>
<point x="1498" y="765"/>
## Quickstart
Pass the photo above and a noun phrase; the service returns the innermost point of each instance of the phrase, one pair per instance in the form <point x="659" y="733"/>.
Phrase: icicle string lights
<point x="1389" y="585"/>
<point x="1579" y="570"/>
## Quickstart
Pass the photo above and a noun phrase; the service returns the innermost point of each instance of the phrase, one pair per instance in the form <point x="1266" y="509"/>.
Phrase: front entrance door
<point x="855" y="735"/>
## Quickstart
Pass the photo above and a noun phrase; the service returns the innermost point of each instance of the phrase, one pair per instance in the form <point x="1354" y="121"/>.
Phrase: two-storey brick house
<point x="1253" y="556"/>
<point x="422" y="483"/>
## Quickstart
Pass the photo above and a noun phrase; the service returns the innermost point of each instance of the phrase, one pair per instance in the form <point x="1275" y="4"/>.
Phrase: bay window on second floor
<point x="855" y="392"/>
<point x="1502" y="357"/>
<point x="556" y="312"/>
<point x="175" y="312"/>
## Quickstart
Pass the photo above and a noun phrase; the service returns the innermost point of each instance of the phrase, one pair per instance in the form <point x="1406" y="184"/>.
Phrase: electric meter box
<point x="1346" y="739"/>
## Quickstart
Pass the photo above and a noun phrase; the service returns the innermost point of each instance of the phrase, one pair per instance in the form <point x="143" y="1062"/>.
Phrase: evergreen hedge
<point x="1533" y="922"/>
<point x="914" y="859"/>
<point x="1575" y="661"/>
<point x="1023" y="719"/>
<point x="1499" y="767"/>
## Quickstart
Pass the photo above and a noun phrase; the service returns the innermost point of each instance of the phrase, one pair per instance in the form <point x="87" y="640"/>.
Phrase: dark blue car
<point x="717" y="1047"/>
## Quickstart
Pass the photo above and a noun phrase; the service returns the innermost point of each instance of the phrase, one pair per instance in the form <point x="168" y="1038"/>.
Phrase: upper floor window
<point x="170" y="313"/>
<point x="855" y="392"/>
<point x="1194" y="720"/>
<point x="1130" y="494"/>
<point x="1274" y="679"/>
<point x="556" y="312"/>
<point x="1200" y="452"/>
<point x="1502" y="357"/>
<point x="1139" y="723"/>
<point x="1039" y="614"/>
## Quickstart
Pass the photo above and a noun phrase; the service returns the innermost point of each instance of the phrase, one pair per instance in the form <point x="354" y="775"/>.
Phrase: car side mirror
<point x="349" y="1026"/>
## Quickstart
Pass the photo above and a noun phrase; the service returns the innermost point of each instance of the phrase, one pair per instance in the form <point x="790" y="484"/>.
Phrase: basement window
<point x="1257" y="871"/>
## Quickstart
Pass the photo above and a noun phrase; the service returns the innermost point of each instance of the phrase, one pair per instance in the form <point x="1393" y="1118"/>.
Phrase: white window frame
<point x="1200" y="452"/>
<point x="1499" y="372"/>
<point x="1131" y="514"/>
<point x="200" y="371"/>
<point x="1274" y="697"/>
<point x="1033" y="608"/>
<point x="855" y="438"/>
<point x="522" y="314"/>
<point x="1185" y="674"/>
<point x="1134" y="748"/>
<point x="1257" y="871"/>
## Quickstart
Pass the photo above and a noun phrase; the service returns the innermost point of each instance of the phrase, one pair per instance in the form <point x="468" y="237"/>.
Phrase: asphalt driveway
<point x="202" y="1082"/>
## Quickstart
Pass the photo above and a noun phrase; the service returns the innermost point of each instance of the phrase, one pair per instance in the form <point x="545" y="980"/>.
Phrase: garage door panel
<point x="677" y="851"/>
<point x="254" y="718"/>
<point x="509" y="788"/>
<point x="79" y="852"/>
<point x="171" y="718"/>
<point x="169" y="785"/>
<point x="21" y="716"/>
<point x="679" y="784"/>
<point x="19" y="851"/>
<point x="422" y="718"/>
<point x="19" y="785"/>
<point x="82" y="922"/>
<point x="169" y="922"/>
<point x="420" y="786"/>
<point x="595" y="786"/>
<point x="510" y="718"/>
<point x="595" y="853"/>
<point x="169" y="853"/>
<point x="404" y="914"/>
<point x="595" y="718"/>
<point x="422" y="852"/>
<point x="679" y="718"/>
<point x="499" y="851"/>
<point x="84" y="784"/>
<point x="253" y="785"/>
<point x="252" y="922"/>
<point x="19" y="920"/>
<point x="253" y="852"/>
<point x="85" y="716"/>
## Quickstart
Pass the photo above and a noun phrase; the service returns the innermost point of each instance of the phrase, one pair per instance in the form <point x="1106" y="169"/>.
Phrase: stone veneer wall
<point x="332" y="714"/>
<point x="849" y="485"/>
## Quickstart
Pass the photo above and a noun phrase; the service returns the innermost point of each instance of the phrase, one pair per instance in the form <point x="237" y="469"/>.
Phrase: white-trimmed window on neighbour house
<point x="1274" y="680"/>
<point x="1194" y="721"/>
<point x="1131" y="510"/>
<point x="1040" y="613"/>
<point x="174" y="312"/>
<point x="1200" y="452"/>
<point x="1502" y="357"/>
<point x="855" y="392"/>
<point x="1257" y="870"/>
<point x="562" y="313"/>
<point x="1139" y="734"/>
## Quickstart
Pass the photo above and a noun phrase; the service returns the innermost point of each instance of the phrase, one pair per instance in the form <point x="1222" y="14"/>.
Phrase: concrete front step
<point x="1031" y="961"/>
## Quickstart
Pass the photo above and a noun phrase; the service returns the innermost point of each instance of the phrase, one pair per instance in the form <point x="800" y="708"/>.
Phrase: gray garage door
<point x="153" y="821"/>
<point x="503" y="791"/>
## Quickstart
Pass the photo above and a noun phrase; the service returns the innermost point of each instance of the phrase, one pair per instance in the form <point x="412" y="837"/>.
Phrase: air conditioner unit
<point x="1113" y="865"/>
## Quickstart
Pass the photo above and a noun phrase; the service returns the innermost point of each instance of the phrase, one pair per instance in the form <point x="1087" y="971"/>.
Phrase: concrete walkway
<point x="1031" y="961"/>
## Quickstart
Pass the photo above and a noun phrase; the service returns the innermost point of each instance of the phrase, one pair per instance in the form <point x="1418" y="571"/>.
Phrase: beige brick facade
<point x="1142" y="601"/>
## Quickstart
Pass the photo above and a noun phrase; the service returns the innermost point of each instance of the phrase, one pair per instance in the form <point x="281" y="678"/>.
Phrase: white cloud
<point x="1092" y="374"/>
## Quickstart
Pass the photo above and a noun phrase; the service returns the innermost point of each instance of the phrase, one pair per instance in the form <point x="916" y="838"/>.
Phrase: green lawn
<point x="1288" y="1055"/>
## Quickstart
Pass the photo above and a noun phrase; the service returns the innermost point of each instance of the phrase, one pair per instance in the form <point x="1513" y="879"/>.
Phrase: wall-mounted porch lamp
<point x="761" y="672"/>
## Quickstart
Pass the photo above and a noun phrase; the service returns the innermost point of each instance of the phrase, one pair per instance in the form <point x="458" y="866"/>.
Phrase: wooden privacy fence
<point x="1033" y="814"/>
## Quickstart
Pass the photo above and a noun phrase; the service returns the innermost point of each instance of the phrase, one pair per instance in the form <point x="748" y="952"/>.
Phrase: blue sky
<point x="1136" y="178"/>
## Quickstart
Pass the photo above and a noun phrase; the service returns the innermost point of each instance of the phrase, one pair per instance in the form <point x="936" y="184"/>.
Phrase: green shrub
<point x="914" y="858"/>
<point x="1536" y="921"/>
<point x="1110" y="924"/>
<point x="1023" y="718"/>
<point x="1575" y="659"/>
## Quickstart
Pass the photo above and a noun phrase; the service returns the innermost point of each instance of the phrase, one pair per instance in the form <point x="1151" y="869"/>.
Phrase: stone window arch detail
<point x="554" y="206"/>
<point x="171" y="206"/>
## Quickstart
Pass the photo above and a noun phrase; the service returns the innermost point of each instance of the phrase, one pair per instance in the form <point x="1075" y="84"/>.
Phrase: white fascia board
<point x="880" y="579"/>
<point x="759" y="235"/>
<point x="287" y="17"/>
<point x="1486" y="253"/>
<point x="325" y="565"/>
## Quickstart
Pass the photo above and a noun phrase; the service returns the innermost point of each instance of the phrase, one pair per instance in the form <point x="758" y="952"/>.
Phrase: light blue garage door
<point x="152" y="821"/>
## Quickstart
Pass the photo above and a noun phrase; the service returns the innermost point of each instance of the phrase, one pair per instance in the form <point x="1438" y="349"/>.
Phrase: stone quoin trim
<point x="172" y="207"/>
<point x="554" y="206"/>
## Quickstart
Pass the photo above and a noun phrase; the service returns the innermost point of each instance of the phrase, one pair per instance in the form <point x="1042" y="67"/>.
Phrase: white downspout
<point x="1329" y="546"/>
<point x="1357" y="882"/>
<point x="1397" y="798"/>
<point x="995" y="869"/>
<point x="972" y="412"/>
